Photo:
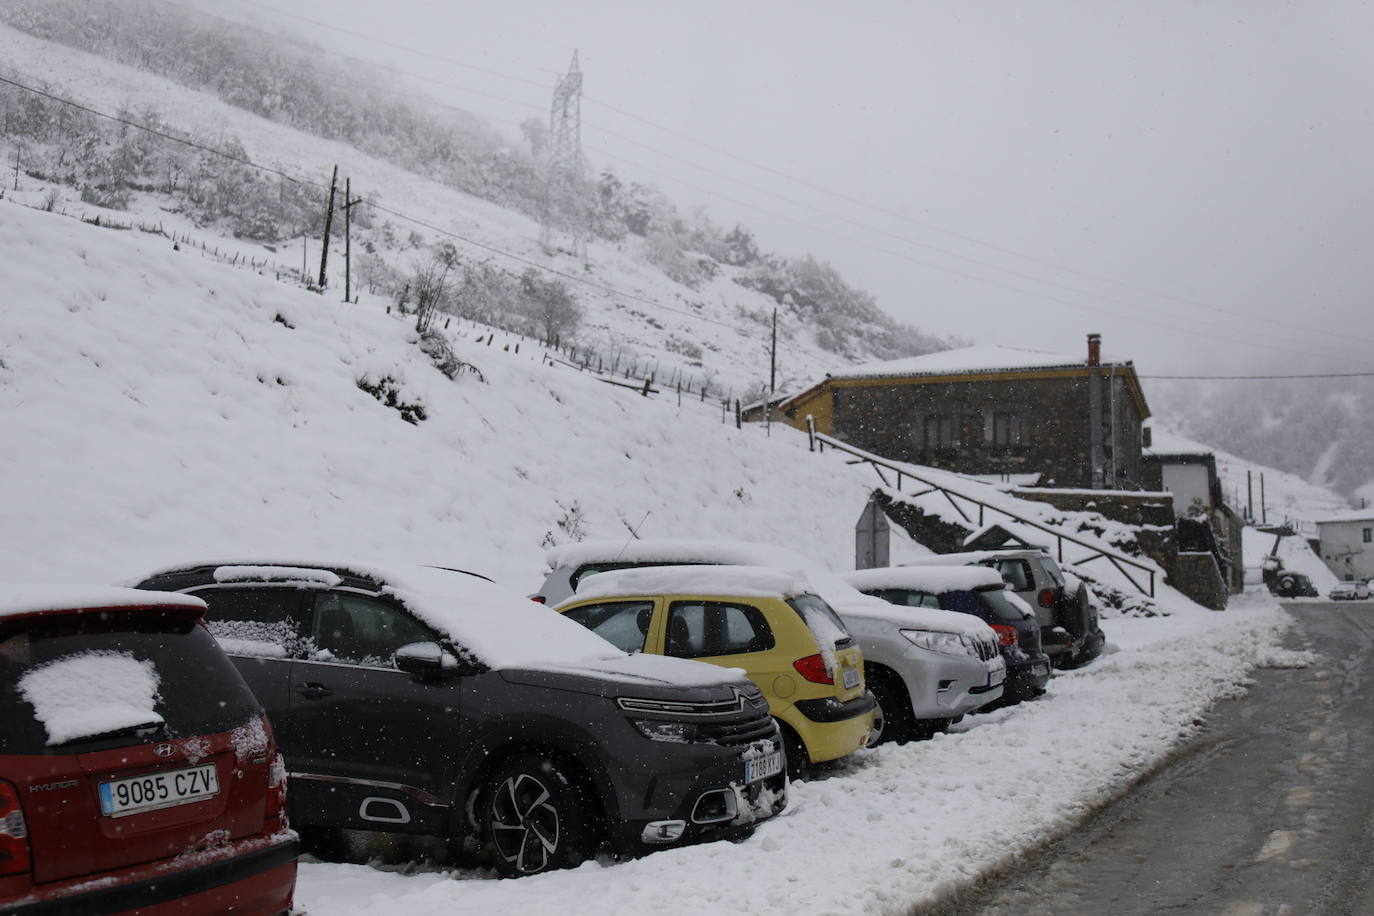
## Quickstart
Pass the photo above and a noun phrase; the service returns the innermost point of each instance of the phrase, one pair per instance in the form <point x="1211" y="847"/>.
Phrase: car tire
<point x="892" y="719"/>
<point x="1286" y="584"/>
<point x="533" y="817"/>
<point x="794" y="750"/>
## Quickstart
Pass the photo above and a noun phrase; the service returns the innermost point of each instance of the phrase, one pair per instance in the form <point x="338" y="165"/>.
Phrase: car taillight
<point x="14" y="833"/>
<point x="813" y="669"/>
<point x="1006" y="636"/>
<point x="537" y="599"/>
<point x="1047" y="597"/>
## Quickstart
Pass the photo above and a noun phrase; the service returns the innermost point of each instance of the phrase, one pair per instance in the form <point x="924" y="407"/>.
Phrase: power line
<point x="772" y="170"/>
<point x="1229" y="336"/>
<point x="571" y="277"/>
<point x="584" y="281"/>
<point x="396" y="47"/>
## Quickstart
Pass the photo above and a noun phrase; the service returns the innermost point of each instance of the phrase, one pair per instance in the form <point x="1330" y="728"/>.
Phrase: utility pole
<point x="773" y="358"/>
<point x="772" y="378"/>
<point x="349" y="204"/>
<point x="328" y="224"/>
<point x="1264" y="510"/>
<point x="1250" y="496"/>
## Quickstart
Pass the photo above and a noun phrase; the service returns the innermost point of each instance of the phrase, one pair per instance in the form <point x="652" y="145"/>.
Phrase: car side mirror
<point x="426" y="660"/>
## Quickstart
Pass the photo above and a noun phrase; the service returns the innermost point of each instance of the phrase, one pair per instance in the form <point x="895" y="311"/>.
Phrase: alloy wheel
<point x="525" y="824"/>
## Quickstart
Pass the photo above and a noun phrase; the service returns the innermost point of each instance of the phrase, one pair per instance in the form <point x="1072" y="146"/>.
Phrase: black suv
<point x="420" y="700"/>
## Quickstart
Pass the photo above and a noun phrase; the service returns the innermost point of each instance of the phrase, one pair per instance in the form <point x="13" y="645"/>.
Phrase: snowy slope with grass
<point x="160" y="407"/>
<point x="632" y="309"/>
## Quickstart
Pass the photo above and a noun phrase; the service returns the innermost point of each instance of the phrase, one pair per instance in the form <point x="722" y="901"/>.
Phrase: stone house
<point x="990" y="410"/>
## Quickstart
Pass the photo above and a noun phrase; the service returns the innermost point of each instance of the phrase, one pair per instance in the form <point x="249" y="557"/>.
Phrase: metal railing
<point x="819" y="442"/>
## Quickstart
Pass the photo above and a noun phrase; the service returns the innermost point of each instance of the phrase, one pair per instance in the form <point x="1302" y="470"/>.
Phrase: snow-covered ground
<point x="160" y="407"/>
<point x="900" y="825"/>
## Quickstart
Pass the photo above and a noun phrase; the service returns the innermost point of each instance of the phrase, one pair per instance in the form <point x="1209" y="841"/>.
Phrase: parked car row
<point x="662" y="699"/>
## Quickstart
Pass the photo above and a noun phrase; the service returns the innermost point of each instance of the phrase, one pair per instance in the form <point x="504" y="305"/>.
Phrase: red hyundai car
<point x="138" y="773"/>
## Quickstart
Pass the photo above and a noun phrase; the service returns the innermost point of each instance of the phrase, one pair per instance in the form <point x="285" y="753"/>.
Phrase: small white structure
<point x="1347" y="544"/>
<point x="1188" y="470"/>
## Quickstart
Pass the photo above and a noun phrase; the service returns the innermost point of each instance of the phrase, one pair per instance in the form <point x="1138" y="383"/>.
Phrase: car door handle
<point x="313" y="691"/>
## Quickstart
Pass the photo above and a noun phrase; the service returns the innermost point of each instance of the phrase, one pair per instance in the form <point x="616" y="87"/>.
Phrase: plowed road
<point x="1267" y="812"/>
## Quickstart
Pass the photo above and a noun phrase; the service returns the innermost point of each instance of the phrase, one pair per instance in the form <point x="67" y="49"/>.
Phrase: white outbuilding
<point x="1346" y="544"/>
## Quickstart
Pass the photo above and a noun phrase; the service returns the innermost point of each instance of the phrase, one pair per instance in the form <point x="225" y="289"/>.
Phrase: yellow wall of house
<point x="820" y="404"/>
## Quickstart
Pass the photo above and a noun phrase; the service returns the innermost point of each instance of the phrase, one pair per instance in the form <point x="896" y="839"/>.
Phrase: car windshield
<point x="193" y="688"/>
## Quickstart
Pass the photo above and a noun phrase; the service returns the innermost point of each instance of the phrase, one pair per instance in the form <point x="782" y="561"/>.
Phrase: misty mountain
<point x="1318" y="429"/>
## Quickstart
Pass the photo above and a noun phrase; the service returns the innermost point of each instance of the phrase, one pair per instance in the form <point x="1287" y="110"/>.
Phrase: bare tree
<point x="432" y="287"/>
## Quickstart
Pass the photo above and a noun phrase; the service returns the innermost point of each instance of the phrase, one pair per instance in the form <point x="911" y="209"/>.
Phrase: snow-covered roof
<point x="744" y="581"/>
<point x="17" y="600"/>
<point x="933" y="579"/>
<point x="987" y="358"/>
<point x="1354" y="515"/>
<point x="1165" y="444"/>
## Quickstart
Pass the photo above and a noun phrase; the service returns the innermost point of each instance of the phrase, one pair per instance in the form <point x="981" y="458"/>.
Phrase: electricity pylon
<point x="562" y="207"/>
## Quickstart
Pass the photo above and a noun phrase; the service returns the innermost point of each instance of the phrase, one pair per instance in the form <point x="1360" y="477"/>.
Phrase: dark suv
<point x="419" y="700"/>
<point x="137" y="772"/>
<point x="1070" y="632"/>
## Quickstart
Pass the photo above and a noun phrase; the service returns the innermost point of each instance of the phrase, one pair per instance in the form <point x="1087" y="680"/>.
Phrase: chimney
<point x="1094" y="349"/>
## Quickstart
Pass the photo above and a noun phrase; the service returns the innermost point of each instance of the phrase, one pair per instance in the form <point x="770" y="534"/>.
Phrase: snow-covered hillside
<point x="715" y="331"/>
<point x="161" y="407"/>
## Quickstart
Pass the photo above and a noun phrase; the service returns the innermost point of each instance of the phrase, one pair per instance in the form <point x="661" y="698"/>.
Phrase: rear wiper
<point x="141" y="730"/>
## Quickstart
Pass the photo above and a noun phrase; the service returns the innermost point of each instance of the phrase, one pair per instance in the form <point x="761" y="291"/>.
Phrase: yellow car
<point x="765" y="621"/>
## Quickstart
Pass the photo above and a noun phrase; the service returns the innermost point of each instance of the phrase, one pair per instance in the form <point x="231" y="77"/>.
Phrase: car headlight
<point x="944" y="643"/>
<point x="675" y="732"/>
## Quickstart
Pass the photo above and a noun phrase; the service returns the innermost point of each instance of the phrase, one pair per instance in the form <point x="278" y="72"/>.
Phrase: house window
<point x="1368" y="535"/>
<point x="1007" y="428"/>
<point x="939" y="433"/>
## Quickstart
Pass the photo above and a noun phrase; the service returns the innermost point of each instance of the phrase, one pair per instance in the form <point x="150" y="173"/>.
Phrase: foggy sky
<point x="1191" y="179"/>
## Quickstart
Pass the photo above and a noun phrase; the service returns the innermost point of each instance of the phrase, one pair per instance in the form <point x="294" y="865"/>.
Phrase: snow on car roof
<point x="669" y="550"/>
<point x="20" y="599"/>
<point x="285" y="574"/>
<point x="744" y="581"/>
<point x="919" y="618"/>
<point x="499" y="627"/>
<point x="933" y="579"/>
<point x="837" y="593"/>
